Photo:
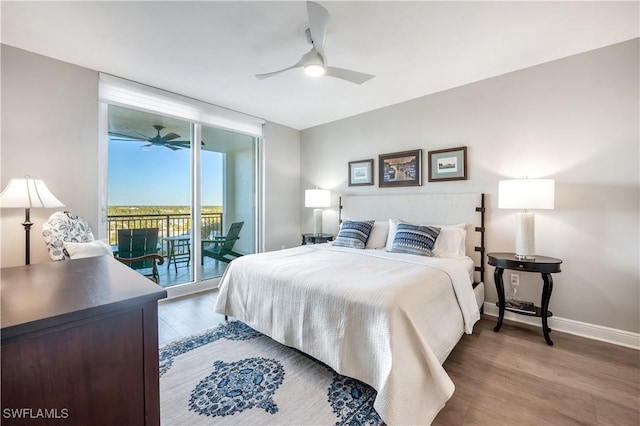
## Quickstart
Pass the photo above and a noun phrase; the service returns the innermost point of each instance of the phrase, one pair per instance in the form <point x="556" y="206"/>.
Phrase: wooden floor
<point x="184" y="316"/>
<point x="514" y="378"/>
<point x="508" y="378"/>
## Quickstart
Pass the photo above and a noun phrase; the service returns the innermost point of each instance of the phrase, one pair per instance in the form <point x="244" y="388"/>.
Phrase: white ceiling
<point x="211" y="50"/>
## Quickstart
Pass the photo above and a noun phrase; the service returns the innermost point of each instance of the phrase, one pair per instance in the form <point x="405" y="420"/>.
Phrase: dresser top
<point x="38" y="296"/>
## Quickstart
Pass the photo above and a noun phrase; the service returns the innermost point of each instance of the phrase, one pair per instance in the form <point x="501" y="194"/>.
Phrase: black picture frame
<point x="400" y="169"/>
<point x="361" y="172"/>
<point x="448" y="164"/>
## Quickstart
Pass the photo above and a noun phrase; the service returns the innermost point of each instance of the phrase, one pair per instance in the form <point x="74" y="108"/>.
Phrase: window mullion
<point x="196" y="200"/>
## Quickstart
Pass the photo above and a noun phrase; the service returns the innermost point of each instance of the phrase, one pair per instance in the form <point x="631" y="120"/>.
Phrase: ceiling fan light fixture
<point x="314" y="61"/>
<point x="314" y="70"/>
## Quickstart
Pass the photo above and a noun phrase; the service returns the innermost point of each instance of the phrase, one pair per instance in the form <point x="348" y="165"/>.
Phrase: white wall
<point x="50" y="131"/>
<point x="240" y="187"/>
<point x="575" y="120"/>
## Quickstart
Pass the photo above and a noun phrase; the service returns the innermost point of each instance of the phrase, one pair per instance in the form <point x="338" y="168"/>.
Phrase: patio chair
<point x="66" y="227"/>
<point x="221" y="248"/>
<point x="135" y="246"/>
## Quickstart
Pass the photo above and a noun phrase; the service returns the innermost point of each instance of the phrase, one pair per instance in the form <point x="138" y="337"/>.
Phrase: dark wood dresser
<point x="79" y="344"/>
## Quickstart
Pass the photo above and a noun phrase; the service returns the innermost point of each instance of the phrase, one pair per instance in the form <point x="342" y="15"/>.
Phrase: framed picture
<point x="448" y="164"/>
<point x="361" y="173"/>
<point x="400" y="169"/>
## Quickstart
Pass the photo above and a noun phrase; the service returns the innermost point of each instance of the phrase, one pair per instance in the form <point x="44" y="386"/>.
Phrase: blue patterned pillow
<point x="354" y="234"/>
<point x="415" y="239"/>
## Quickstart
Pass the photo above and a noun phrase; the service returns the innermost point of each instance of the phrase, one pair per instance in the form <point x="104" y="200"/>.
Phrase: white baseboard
<point x="591" y="331"/>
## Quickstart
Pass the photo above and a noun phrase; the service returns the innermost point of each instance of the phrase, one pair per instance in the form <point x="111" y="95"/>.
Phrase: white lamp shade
<point x="525" y="194"/>
<point x="28" y="193"/>
<point x="317" y="198"/>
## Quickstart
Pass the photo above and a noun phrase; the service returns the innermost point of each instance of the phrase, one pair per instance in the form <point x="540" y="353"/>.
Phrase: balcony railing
<point x="169" y="225"/>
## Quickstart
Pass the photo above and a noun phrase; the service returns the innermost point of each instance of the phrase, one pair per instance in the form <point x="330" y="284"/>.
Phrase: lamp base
<point x="27" y="231"/>
<point x="525" y="236"/>
<point x="525" y="256"/>
<point x="317" y="221"/>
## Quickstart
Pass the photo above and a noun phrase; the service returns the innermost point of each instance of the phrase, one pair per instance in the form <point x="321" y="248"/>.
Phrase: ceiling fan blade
<point x="122" y="135"/>
<point x="118" y="138"/>
<point x="312" y="57"/>
<point x="171" y="147"/>
<point x="170" y="136"/>
<point x="348" y="75"/>
<point x="143" y="137"/>
<point x="271" y="74"/>
<point x="184" y="143"/>
<point x="319" y="19"/>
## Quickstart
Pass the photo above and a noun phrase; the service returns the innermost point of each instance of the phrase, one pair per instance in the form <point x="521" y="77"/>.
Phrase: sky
<point x="158" y="176"/>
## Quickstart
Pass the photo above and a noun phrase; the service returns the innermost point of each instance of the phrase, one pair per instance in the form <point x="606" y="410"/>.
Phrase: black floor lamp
<point x="28" y="193"/>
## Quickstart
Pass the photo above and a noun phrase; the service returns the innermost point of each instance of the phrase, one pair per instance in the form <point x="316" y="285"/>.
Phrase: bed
<point x="389" y="319"/>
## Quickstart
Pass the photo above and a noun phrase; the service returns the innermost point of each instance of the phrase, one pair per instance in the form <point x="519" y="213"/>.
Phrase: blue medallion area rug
<point x="234" y="375"/>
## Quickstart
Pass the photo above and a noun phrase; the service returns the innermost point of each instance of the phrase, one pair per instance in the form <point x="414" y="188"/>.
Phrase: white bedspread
<point x="387" y="319"/>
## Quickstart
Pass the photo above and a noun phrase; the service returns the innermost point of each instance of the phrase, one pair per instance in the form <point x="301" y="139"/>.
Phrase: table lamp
<point x="526" y="194"/>
<point x="317" y="199"/>
<point x="27" y="193"/>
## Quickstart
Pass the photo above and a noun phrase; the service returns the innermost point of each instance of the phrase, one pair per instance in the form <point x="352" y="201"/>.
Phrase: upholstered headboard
<point x="426" y="209"/>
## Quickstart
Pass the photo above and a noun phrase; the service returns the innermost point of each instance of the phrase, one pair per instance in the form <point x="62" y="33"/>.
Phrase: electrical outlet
<point x="515" y="279"/>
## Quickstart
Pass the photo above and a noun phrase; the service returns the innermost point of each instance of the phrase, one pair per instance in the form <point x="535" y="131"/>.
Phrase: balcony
<point x="172" y="225"/>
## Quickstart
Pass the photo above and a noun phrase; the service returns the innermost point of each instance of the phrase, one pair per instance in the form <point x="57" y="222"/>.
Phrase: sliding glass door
<point x="191" y="199"/>
<point x="228" y="188"/>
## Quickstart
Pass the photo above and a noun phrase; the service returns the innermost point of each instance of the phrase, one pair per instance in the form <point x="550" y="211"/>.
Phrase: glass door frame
<point x="198" y="284"/>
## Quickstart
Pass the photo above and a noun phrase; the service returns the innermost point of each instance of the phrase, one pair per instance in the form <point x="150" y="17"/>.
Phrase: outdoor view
<point x="149" y="187"/>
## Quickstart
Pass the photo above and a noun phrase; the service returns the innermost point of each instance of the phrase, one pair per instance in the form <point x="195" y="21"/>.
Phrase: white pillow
<point x="457" y="225"/>
<point x="393" y="227"/>
<point x="451" y="242"/>
<point x="378" y="236"/>
<point x="92" y="249"/>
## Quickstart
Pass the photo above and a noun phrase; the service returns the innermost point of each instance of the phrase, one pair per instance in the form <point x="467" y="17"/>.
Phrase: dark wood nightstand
<point x="316" y="238"/>
<point x="545" y="265"/>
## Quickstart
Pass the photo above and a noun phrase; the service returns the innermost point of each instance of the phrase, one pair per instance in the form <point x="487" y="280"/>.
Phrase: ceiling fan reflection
<point x="167" y="141"/>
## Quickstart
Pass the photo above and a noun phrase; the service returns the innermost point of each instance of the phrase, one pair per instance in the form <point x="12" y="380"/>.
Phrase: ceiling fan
<point x="314" y="61"/>
<point x="168" y="140"/>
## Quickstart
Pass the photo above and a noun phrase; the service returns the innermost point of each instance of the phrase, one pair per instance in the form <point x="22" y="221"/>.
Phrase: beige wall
<point x="282" y="179"/>
<point x="50" y="131"/>
<point x="574" y="120"/>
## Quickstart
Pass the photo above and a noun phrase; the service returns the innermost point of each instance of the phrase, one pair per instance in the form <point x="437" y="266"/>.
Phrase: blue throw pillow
<point x="415" y="239"/>
<point x="354" y="234"/>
